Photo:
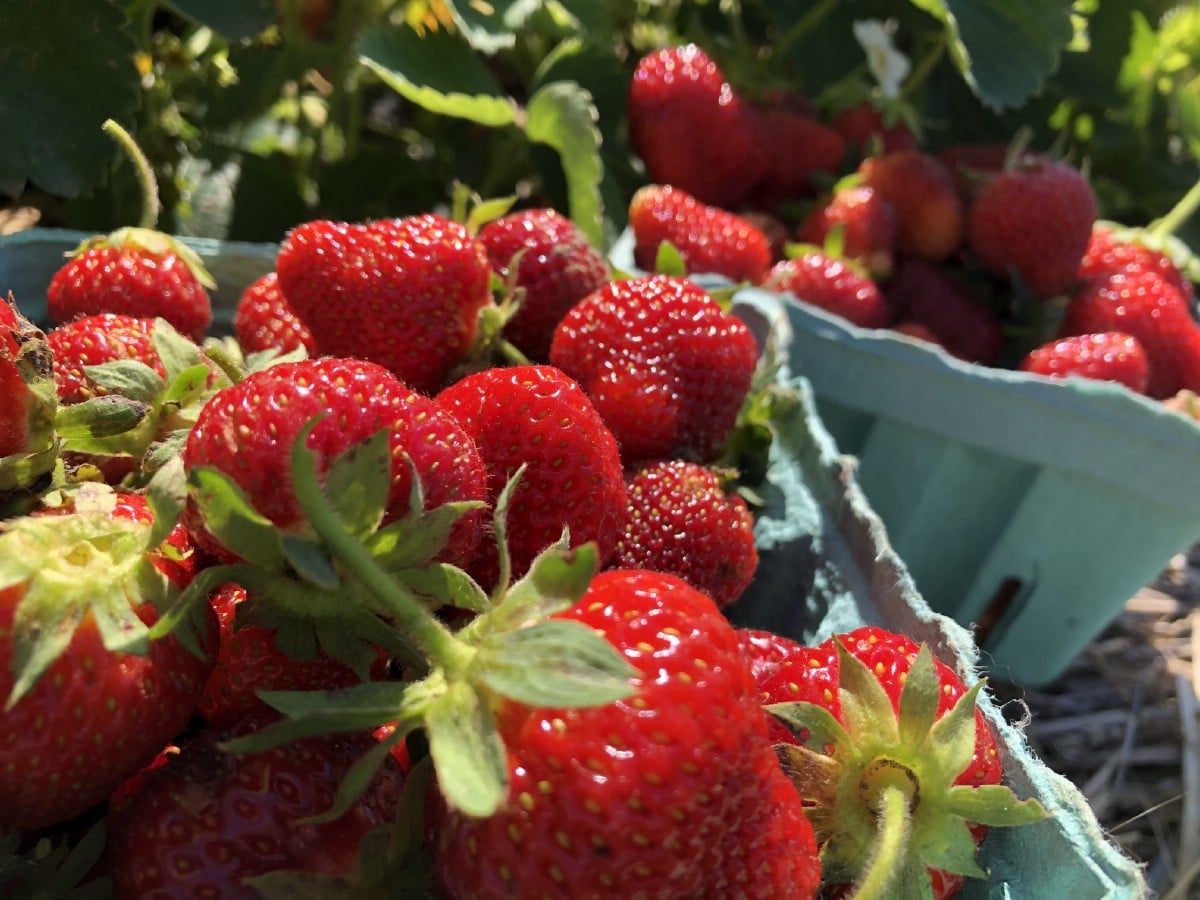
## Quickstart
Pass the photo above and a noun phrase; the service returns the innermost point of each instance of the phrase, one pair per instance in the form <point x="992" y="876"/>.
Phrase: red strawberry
<point x="83" y="710"/>
<point x="832" y="285"/>
<point x="138" y="273"/>
<point x="1109" y="253"/>
<point x="404" y="293"/>
<point x="868" y="223"/>
<point x="205" y="820"/>
<point x="682" y="520"/>
<point x="28" y="445"/>
<point x="538" y="417"/>
<point x="665" y="366"/>
<point x="710" y="240"/>
<point x="798" y="147"/>
<point x="1109" y="356"/>
<point x="649" y="795"/>
<point x="247" y="430"/>
<point x="864" y="123"/>
<point x="871" y="770"/>
<point x="558" y="267"/>
<point x="1142" y="304"/>
<point x="930" y="215"/>
<point x="691" y="128"/>
<point x="264" y="320"/>
<point x="1033" y="220"/>
<point x="94" y="340"/>
<point x="924" y="294"/>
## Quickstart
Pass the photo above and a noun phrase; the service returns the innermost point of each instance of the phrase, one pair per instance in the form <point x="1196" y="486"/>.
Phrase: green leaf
<point x="99" y="422"/>
<point x="356" y="781"/>
<point x="1004" y="49"/>
<point x="952" y="738"/>
<point x="954" y="850"/>
<point x="229" y="515"/>
<point x="919" y="699"/>
<point x="562" y="116"/>
<point x="812" y="724"/>
<point x="232" y="19"/>
<point x="358" y="483"/>
<point x="37" y="644"/>
<point x="121" y="630"/>
<point x="310" y="560"/>
<point x="669" y="261"/>
<point x="187" y="385"/>
<point x="557" y="662"/>
<point x="59" y="96"/>
<point x="866" y="710"/>
<point x="491" y="27"/>
<point x="443" y="584"/>
<point x="178" y="353"/>
<point x="360" y="707"/>
<point x="468" y="754"/>
<point x="167" y="495"/>
<point x="130" y="378"/>
<point x="556" y="579"/>
<point x="993" y="804"/>
<point x="438" y="71"/>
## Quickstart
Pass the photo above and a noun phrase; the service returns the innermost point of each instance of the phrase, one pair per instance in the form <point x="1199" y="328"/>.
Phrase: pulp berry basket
<point x="826" y="567"/>
<point x="1027" y="508"/>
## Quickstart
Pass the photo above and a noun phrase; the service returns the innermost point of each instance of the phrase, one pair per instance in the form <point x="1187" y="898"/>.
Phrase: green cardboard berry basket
<point x="1028" y="508"/>
<point x="826" y="567"/>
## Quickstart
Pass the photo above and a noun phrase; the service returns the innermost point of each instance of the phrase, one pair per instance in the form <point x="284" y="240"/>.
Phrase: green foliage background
<point x="255" y="120"/>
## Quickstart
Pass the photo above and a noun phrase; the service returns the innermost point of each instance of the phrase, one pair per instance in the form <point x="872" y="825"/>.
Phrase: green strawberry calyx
<point x="880" y="786"/>
<point x="152" y="243"/>
<point x="23" y="346"/>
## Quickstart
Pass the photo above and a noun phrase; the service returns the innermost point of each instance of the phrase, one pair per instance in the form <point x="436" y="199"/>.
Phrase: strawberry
<point x="709" y="239"/>
<point x="136" y="272"/>
<point x="833" y="285"/>
<point x="538" y="417"/>
<point x="646" y="796"/>
<point x="206" y="822"/>
<point x="1033" y="221"/>
<point x="1144" y="305"/>
<point x="89" y="696"/>
<point x="868" y="224"/>
<point x="28" y="443"/>
<point x="863" y="124"/>
<point x="799" y="149"/>
<point x="930" y="215"/>
<point x="664" y="365"/>
<point x="1109" y="356"/>
<point x="93" y="341"/>
<point x="246" y="431"/>
<point x="886" y="743"/>
<point x="263" y="320"/>
<point x="558" y="267"/>
<point x="682" y="520"/>
<point x="1110" y="251"/>
<point x="924" y="294"/>
<point x="403" y="293"/>
<point x="692" y="129"/>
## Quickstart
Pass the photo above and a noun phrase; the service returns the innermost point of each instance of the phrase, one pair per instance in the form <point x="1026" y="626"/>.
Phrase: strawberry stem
<point x="141" y="166"/>
<point x="893" y="817"/>
<point x="1169" y="224"/>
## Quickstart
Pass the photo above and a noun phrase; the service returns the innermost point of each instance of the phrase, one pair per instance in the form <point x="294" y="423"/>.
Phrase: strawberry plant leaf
<point x="954" y="849"/>
<point x="557" y="663"/>
<point x="952" y="738"/>
<point x="467" y="751"/>
<point x="233" y="520"/>
<point x="443" y="584"/>
<point x="358" y="483"/>
<point x="85" y="426"/>
<point x="167" y="494"/>
<point x="491" y="27"/>
<point x="355" y="781"/>
<point x="130" y="378"/>
<point x="178" y="354"/>
<point x="669" y="261"/>
<point x="555" y="580"/>
<point x="232" y="19"/>
<point x="813" y="725"/>
<point x="120" y="629"/>
<point x="993" y="804"/>
<point x="919" y="699"/>
<point x="417" y="538"/>
<point x="438" y="71"/>
<point x="1004" y="49"/>
<point x="563" y="116"/>
<point x="187" y="385"/>
<point x="310" y="561"/>
<point x="39" y="638"/>
<point x="866" y="709"/>
<point x="59" y="146"/>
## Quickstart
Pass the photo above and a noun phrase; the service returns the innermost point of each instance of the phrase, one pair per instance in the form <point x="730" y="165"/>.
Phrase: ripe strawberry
<point x="681" y="520"/>
<point x="558" y="267"/>
<point x="872" y="704"/>
<point x="930" y="215"/>
<point x="94" y="340"/>
<point x="249" y="660"/>
<point x="832" y="285"/>
<point x="863" y="123"/>
<point x="1033" y="220"/>
<point x="710" y="240"/>
<point x="205" y="821"/>
<point x="264" y="320"/>
<point x="28" y="445"/>
<point x="647" y="796"/>
<point x="90" y="698"/>
<point x="247" y="430"/>
<point x="138" y="273"/>
<point x="403" y="293"/>
<point x="1108" y="356"/>
<point x="869" y="227"/>
<point x="924" y="294"/>
<point x="538" y="417"/>
<point x="664" y="365"/>
<point x="1110" y="252"/>
<point x="1142" y="304"/>
<point x="691" y="128"/>
<point x="798" y="147"/>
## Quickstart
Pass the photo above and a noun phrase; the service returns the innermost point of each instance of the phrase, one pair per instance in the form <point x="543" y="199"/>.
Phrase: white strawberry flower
<point x="889" y="66"/>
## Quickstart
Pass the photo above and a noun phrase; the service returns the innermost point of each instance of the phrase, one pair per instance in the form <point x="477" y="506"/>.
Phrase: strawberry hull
<point x="826" y="567"/>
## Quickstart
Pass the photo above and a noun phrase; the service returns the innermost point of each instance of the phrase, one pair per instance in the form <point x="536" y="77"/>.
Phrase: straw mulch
<point x="1122" y="724"/>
